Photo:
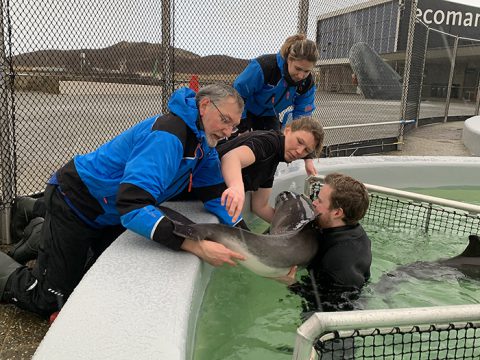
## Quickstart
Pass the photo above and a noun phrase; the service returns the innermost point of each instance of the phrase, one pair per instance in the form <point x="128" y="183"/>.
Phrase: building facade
<point x="384" y="25"/>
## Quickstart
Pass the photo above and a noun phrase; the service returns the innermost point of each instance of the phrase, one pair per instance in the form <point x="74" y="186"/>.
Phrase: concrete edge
<point x="139" y="300"/>
<point x="471" y="135"/>
<point x="390" y="171"/>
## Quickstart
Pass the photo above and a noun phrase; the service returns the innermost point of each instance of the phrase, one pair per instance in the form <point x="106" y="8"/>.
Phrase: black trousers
<point x="253" y="122"/>
<point x="69" y="247"/>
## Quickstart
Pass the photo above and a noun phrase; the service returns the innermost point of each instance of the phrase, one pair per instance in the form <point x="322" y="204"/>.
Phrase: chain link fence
<point x="76" y="74"/>
<point x="446" y="84"/>
<point x="343" y="88"/>
<point x="456" y="341"/>
<point x="402" y="213"/>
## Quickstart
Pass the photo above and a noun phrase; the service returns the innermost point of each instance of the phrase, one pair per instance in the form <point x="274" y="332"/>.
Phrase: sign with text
<point x="449" y="17"/>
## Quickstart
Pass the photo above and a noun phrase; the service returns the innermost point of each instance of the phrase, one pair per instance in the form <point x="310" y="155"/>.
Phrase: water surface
<point x="246" y="317"/>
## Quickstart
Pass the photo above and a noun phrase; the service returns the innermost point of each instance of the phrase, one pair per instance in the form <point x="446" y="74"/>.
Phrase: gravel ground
<point x="443" y="139"/>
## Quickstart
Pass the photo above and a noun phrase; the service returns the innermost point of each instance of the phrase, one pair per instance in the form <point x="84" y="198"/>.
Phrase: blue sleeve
<point x="304" y="104"/>
<point x="152" y="223"/>
<point x="249" y="82"/>
<point x="143" y="221"/>
<point x="149" y="171"/>
<point x="210" y="175"/>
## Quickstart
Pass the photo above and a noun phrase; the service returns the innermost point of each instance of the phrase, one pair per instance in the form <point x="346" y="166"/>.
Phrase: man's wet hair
<point x="348" y="194"/>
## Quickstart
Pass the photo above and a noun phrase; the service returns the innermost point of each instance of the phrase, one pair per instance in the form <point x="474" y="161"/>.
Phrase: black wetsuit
<point x="341" y="267"/>
<point x="268" y="148"/>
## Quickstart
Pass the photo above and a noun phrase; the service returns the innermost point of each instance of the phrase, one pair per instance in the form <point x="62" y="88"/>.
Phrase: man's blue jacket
<point x="266" y="91"/>
<point x="123" y="180"/>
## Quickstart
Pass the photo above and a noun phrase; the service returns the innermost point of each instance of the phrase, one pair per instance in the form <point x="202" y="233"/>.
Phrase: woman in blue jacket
<point x="271" y="83"/>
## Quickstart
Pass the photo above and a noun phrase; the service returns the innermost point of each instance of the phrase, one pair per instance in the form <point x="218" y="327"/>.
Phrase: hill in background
<point x="126" y="58"/>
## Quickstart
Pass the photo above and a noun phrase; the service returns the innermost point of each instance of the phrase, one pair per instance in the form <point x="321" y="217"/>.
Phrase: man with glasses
<point x="94" y="197"/>
<point x="225" y="120"/>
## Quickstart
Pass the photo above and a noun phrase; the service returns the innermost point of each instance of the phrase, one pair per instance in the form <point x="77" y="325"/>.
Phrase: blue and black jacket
<point x="267" y="91"/>
<point x="123" y="180"/>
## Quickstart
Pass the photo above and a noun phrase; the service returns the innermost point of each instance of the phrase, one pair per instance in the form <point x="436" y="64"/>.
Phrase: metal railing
<point x="403" y="209"/>
<point x="312" y="184"/>
<point x="327" y="327"/>
<point x="324" y="335"/>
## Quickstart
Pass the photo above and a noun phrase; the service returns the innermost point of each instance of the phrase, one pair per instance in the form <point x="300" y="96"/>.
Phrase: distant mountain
<point x="126" y="58"/>
<point x="211" y="64"/>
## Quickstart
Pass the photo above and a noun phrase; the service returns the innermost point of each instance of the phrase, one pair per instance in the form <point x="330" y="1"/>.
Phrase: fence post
<point x="167" y="53"/>
<point x="406" y="72"/>
<point x="7" y="148"/>
<point x="421" y="80"/>
<point x="477" y="106"/>
<point x="303" y="16"/>
<point x="450" y="79"/>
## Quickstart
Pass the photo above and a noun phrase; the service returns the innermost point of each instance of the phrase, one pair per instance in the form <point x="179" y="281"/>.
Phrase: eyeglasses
<point x="225" y="120"/>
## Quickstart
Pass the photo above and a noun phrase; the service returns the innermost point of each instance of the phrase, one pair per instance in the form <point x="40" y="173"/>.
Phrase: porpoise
<point x="292" y="239"/>
<point x="467" y="264"/>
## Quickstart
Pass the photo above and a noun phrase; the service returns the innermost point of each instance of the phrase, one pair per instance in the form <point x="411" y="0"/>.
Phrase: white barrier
<point x="471" y="135"/>
<point x="392" y="171"/>
<point x="138" y="301"/>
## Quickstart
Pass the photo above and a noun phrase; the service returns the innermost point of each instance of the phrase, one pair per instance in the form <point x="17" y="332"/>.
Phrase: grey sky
<point x="467" y="2"/>
<point x="239" y="28"/>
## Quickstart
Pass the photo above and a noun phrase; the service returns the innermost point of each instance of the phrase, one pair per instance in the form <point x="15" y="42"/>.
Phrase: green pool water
<point x="247" y="317"/>
<point x="468" y="194"/>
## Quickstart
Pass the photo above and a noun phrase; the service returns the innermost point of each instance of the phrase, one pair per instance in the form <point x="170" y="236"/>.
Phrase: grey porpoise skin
<point x="467" y="264"/>
<point x="292" y="239"/>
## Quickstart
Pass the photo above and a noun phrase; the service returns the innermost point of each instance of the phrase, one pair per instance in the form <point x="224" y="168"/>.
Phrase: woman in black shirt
<point x="249" y="161"/>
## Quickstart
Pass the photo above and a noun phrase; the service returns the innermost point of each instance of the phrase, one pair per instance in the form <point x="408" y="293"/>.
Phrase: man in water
<point x="342" y="264"/>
